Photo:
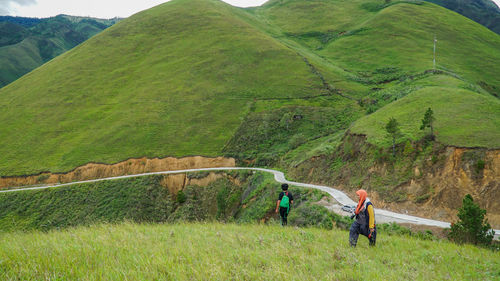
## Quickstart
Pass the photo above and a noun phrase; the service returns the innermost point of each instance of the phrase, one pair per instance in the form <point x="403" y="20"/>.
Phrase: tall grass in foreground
<point x="215" y="251"/>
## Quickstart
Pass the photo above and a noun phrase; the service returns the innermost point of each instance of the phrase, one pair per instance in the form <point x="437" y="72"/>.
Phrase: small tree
<point x="428" y="121"/>
<point x="392" y="128"/>
<point x="471" y="227"/>
<point x="181" y="197"/>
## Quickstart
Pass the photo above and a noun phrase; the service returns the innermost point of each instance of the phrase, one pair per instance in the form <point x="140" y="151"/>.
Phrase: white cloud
<point x="6" y="5"/>
<point x="94" y="8"/>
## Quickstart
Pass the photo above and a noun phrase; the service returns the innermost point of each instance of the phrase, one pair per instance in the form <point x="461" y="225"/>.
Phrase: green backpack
<point x="285" y="201"/>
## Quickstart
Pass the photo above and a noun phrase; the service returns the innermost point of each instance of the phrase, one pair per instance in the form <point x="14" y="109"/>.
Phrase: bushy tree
<point x="428" y="121"/>
<point x="471" y="227"/>
<point x="181" y="197"/>
<point x="392" y="128"/>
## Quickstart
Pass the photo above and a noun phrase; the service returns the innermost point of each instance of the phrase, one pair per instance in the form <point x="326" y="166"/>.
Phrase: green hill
<point x="27" y="43"/>
<point x="463" y="118"/>
<point x="212" y="251"/>
<point x="173" y="80"/>
<point x="200" y="77"/>
<point x="370" y="39"/>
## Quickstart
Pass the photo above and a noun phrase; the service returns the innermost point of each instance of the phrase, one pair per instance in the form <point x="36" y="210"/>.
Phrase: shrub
<point x="471" y="227"/>
<point x="181" y="197"/>
<point x="296" y="141"/>
<point x="479" y="166"/>
<point x="311" y="215"/>
<point x="422" y="198"/>
<point x="408" y="150"/>
<point x="342" y="222"/>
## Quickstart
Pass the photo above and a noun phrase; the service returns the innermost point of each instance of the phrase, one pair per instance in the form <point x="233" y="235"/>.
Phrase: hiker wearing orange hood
<point x="365" y="220"/>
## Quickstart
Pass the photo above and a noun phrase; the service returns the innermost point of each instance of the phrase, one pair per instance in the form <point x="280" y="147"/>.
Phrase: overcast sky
<point x="93" y="8"/>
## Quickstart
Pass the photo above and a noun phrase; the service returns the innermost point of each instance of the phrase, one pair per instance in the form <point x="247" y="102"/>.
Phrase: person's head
<point x="362" y="195"/>
<point x="284" y="187"/>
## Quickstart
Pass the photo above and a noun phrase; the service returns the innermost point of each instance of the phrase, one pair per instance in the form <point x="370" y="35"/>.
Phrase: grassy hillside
<point x="395" y="38"/>
<point x="155" y="84"/>
<point x="365" y="36"/>
<point x="27" y="43"/>
<point x="463" y="118"/>
<point x="233" y="252"/>
<point x="200" y="77"/>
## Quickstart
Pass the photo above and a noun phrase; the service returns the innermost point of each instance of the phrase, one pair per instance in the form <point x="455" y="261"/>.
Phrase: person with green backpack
<point x="285" y="200"/>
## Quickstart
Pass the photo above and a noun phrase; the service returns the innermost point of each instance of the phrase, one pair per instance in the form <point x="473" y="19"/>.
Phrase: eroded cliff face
<point x="127" y="167"/>
<point x="425" y="180"/>
<point x="438" y="191"/>
<point x="175" y="183"/>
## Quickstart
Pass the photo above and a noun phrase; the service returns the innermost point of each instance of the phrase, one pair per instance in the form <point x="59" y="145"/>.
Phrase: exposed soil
<point x="433" y="187"/>
<point x="177" y="182"/>
<point x="127" y="167"/>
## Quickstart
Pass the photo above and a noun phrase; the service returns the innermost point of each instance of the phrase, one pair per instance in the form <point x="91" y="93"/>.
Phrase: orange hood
<point x="362" y="197"/>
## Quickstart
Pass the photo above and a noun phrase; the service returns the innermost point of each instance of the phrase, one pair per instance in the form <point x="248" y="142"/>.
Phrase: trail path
<point x="339" y="196"/>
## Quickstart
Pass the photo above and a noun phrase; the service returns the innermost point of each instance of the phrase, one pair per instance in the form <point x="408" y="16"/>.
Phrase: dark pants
<point x="357" y="229"/>
<point x="284" y="214"/>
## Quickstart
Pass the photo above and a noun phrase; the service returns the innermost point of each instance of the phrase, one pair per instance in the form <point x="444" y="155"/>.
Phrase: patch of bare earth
<point x="128" y="167"/>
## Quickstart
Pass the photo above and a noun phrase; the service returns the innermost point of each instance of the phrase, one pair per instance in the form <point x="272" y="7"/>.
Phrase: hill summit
<point x="200" y="77"/>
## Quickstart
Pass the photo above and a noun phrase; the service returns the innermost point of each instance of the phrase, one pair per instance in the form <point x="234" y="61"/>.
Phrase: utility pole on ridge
<point x="434" y="61"/>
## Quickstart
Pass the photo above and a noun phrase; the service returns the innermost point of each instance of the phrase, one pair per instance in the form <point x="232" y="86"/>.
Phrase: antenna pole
<point x="434" y="61"/>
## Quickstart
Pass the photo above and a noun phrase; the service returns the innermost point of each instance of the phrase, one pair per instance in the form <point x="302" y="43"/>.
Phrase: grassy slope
<point x="362" y="36"/>
<point x="174" y="80"/>
<point x="233" y="252"/>
<point x="375" y="43"/>
<point x="157" y="84"/>
<point x="396" y="37"/>
<point x="463" y="118"/>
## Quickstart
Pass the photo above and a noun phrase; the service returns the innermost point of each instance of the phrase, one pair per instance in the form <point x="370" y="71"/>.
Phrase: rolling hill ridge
<point x="275" y="85"/>
<point x="26" y="43"/>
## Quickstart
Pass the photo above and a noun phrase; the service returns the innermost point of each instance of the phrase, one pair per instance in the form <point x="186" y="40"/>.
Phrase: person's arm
<point x="371" y="220"/>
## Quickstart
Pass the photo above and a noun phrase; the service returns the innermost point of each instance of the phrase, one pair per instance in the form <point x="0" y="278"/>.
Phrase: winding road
<point x="339" y="196"/>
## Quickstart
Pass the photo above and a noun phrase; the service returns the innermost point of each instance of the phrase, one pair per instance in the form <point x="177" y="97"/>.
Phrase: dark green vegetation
<point x="278" y="84"/>
<point x="472" y="226"/>
<point x="27" y="43"/>
<point x="428" y="121"/>
<point x="144" y="199"/>
<point x="267" y="136"/>
<point x="485" y="12"/>
<point x="26" y="22"/>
